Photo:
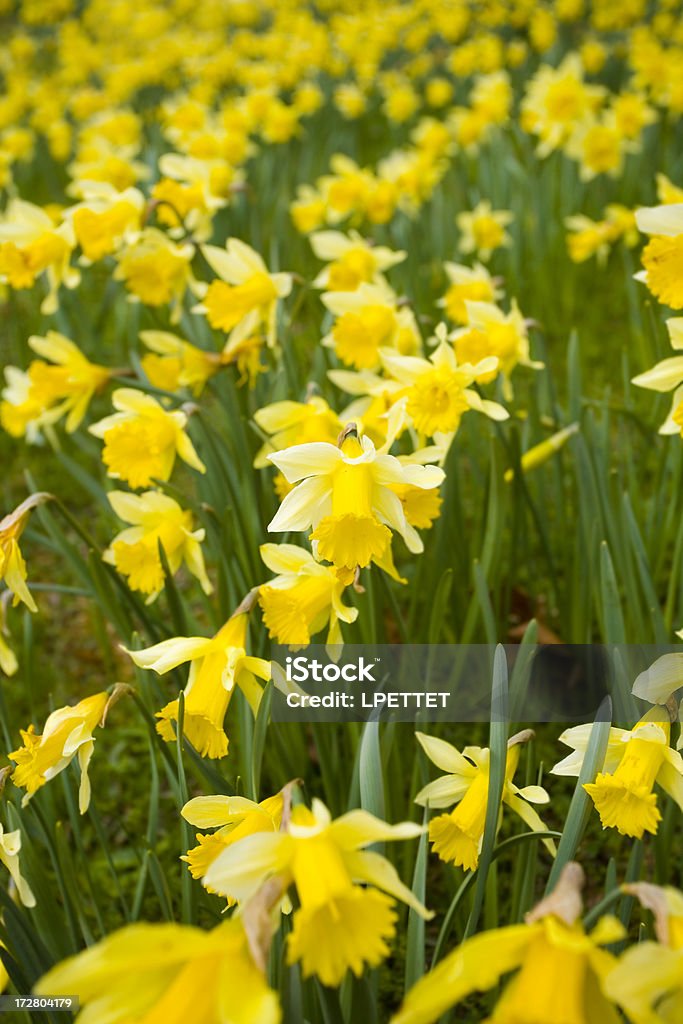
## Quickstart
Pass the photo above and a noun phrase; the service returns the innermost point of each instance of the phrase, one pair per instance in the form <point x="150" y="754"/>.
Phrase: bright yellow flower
<point x="367" y="320"/>
<point x="556" y="100"/>
<point x="105" y="219"/>
<point x="10" y="848"/>
<point x="648" y="980"/>
<point x="142" y="439"/>
<point x="31" y="244"/>
<point x="233" y="817"/>
<point x="170" y="973"/>
<point x="346" y="893"/>
<point x="12" y="565"/>
<point x="52" y="391"/>
<point x="437" y="390"/>
<point x="68" y="732"/>
<point x="290" y="423"/>
<point x="155" y="520"/>
<point x="636" y="759"/>
<point x="175" y="363"/>
<point x="599" y="147"/>
<point x="491" y="332"/>
<point x="352" y="260"/>
<point x="155" y="270"/>
<point x="473" y="283"/>
<point x="663" y="255"/>
<point x="482" y="230"/>
<point x="304" y="597"/>
<point x="561" y="971"/>
<point x="457" y="836"/>
<point x="349" y="100"/>
<point x="245" y="298"/>
<point x="192" y="190"/>
<point x="307" y="210"/>
<point x="217" y="665"/>
<point x="344" y="493"/>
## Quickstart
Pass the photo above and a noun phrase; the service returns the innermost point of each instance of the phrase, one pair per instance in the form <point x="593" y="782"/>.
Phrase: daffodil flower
<point x="367" y="320"/>
<point x="561" y="972"/>
<point x="289" y="423"/>
<point x="472" y="283"/>
<point x="32" y="244"/>
<point x="636" y="759"/>
<point x="155" y="519"/>
<point x="217" y="665"/>
<point x="438" y="390"/>
<point x="457" y="836"/>
<point x="233" y="818"/>
<point x="667" y="375"/>
<point x="68" y="732"/>
<point x="105" y="219"/>
<point x="168" y="972"/>
<point x="64" y="388"/>
<point x="344" y="493"/>
<point x="174" y="363"/>
<point x="556" y="100"/>
<point x="663" y="254"/>
<point x="648" y="980"/>
<point x="193" y="190"/>
<point x="141" y="439"/>
<point x="346" y="893"/>
<point x="304" y="597"/>
<point x="10" y="848"/>
<point x="482" y="230"/>
<point x="12" y="564"/>
<point x="155" y="270"/>
<point x="352" y="260"/>
<point x="246" y="295"/>
<point x="491" y="332"/>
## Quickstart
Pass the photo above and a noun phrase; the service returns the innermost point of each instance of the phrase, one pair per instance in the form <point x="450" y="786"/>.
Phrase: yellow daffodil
<point x="304" y="597"/>
<point x="174" y="363"/>
<point x="192" y="190"/>
<point x="12" y="564"/>
<point x="438" y="390"/>
<point x="663" y="255"/>
<point x="307" y="210"/>
<point x="141" y="439"/>
<point x="366" y="320"/>
<point x="352" y="260"/>
<point x="217" y="665"/>
<point x="10" y="848"/>
<point x="561" y="972"/>
<point x="246" y="294"/>
<point x="64" y="388"/>
<point x="155" y="270"/>
<point x="233" y="818"/>
<point x="660" y="683"/>
<point x="68" y="732"/>
<point x="105" y="218"/>
<point x="491" y="332"/>
<point x="31" y="244"/>
<point x="289" y="423"/>
<point x="167" y="972"/>
<point x="482" y="230"/>
<point x="457" y="836"/>
<point x="155" y="520"/>
<point x="344" y="493"/>
<point x="473" y="283"/>
<point x="345" y="918"/>
<point x="648" y="980"/>
<point x="636" y="759"/>
<point x="599" y="147"/>
<point x="556" y="99"/>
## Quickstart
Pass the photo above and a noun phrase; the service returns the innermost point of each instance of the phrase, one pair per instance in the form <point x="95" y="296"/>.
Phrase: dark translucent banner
<point x="565" y="683"/>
